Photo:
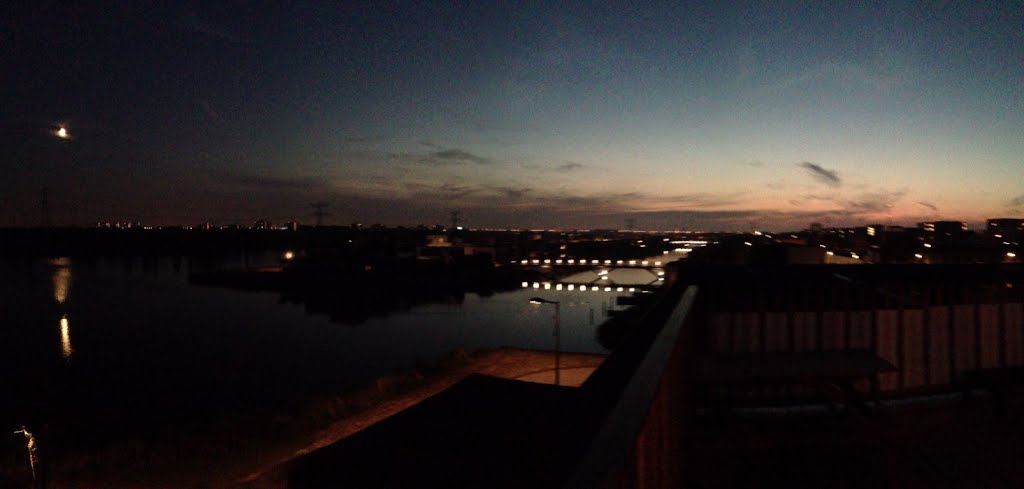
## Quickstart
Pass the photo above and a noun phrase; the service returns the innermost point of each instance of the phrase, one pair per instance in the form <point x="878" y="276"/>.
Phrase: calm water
<point x="130" y="343"/>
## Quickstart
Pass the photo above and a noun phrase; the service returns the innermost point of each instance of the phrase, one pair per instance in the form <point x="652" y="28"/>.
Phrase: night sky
<point x="699" y="116"/>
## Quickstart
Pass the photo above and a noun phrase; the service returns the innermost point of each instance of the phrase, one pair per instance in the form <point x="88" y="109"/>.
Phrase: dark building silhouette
<point x="1009" y="229"/>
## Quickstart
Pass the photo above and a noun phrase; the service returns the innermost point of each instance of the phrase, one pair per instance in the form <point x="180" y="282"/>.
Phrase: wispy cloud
<point x="928" y="205"/>
<point x="1016" y="202"/>
<point x="569" y="166"/>
<point x="365" y="139"/>
<point x="454" y="156"/>
<point x="822" y="174"/>
<point x="264" y="182"/>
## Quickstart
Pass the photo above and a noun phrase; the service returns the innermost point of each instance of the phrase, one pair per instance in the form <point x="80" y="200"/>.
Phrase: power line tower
<point x="44" y="207"/>
<point x="319" y="213"/>
<point x="455" y="219"/>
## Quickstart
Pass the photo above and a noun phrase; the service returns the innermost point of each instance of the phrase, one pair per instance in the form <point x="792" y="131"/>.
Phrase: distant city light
<point x="748" y="243"/>
<point x="288" y="255"/>
<point x="62" y="132"/>
<point x="1011" y="254"/>
<point x="918" y="256"/>
<point x="927" y="245"/>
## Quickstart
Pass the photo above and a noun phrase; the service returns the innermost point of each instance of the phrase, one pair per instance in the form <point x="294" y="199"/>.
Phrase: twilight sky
<point x="712" y="116"/>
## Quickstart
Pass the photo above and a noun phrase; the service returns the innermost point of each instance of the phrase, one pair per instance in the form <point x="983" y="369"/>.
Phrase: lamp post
<point x="558" y="337"/>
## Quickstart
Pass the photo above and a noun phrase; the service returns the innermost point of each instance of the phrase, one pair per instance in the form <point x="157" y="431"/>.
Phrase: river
<point x="127" y="347"/>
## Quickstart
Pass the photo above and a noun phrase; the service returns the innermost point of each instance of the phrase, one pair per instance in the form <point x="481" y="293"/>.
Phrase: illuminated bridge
<point x="583" y="262"/>
<point x="591" y="287"/>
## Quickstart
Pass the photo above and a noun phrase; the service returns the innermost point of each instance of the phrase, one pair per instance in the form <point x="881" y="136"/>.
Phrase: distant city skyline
<point x="704" y="116"/>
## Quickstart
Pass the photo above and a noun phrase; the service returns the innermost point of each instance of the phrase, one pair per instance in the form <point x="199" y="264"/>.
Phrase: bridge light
<point x="536" y="285"/>
<point x="547" y="286"/>
<point x="526" y="284"/>
<point x="572" y="287"/>
<point x="558" y="287"/>
<point x="583" y="288"/>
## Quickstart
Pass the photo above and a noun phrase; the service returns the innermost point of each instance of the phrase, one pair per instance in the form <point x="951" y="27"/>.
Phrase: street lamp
<point x="558" y="338"/>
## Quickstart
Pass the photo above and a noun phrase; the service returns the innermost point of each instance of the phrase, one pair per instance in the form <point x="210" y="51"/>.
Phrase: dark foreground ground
<point x="939" y="445"/>
<point x="488" y="432"/>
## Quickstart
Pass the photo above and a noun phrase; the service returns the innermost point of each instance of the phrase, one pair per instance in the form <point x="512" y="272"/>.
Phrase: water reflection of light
<point x="65" y="338"/>
<point x="61" y="279"/>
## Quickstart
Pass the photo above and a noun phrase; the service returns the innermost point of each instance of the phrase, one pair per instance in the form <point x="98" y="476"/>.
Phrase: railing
<point x="639" y="444"/>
